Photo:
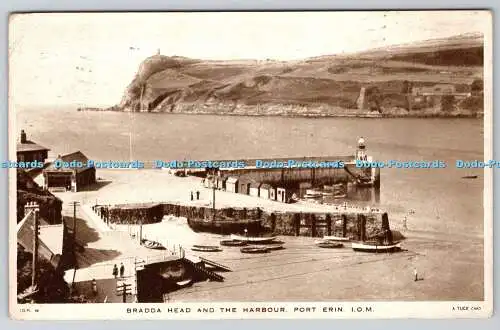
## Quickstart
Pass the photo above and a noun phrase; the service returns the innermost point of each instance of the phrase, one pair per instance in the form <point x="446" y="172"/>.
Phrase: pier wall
<point x="357" y="225"/>
<point x="294" y="176"/>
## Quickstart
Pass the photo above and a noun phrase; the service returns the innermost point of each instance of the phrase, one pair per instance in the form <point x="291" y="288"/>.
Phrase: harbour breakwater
<point x="356" y="224"/>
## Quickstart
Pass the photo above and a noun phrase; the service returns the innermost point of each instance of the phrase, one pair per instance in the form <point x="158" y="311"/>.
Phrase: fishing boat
<point x="470" y="177"/>
<point x="329" y="244"/>
<point x="206" y="248"/>
<point x="152" y="245"/>
<point x="232" y="242"/>
<point x="274" y="247"/>
<point x="336" y="238"/>
<point x="254" y="249"/>
<point x="256" y="240"/>
<point x="376" y="248"/>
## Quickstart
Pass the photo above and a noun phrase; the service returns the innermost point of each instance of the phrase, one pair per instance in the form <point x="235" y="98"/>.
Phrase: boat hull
<point x="153" y="245"/>
<point x="257" y="240"/>
<point x="360" y="247"/>
<point x="330" y="245"/>
<point x="336" y="238"/>
<point x="185" y="283"/>
<point x="232" y="242"/>
<point x="203" y="248"/>
<point x="254" y="250"/>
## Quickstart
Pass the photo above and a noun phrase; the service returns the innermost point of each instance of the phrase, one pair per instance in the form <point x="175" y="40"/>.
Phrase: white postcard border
<point x="369" y="310"/>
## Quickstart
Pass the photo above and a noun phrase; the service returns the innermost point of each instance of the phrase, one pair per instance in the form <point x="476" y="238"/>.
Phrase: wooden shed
<point x="265" y="191"/>
<point x="283" y="194"/>
<point x="221" y="183"/>
<point x="254" y="189"/>
<point x="232" y="184"/>
<point x="69" y="178"/>
<point x="272" y="193"/>
<point x="209" y="181"/>
<point x="244" y="185"/>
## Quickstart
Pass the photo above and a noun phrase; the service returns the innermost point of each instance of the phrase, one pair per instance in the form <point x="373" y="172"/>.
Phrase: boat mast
<point x="213" y="198"/>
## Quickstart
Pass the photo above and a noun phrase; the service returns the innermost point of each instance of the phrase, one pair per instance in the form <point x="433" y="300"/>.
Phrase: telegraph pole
<point x="75" y="204"/>
<point x="140" y="232"/>
<point x="74" y="242"/>
<point x="213" y="203"/>
<point x="33" y="207"/>
<point x="213" y="197"/>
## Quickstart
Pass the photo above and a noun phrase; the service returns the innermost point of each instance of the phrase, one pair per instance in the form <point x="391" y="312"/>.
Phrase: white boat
<point x="374" y="248"/>
<point x="184" y="282"/>
<point x="206" y="248"/>
<point x="336" y="238"/>
<point x="253" y="239"/>
<point x="312" y="194"/>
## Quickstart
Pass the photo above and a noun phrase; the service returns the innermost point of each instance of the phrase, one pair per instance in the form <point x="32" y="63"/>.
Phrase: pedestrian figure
<point x="94" y="287"/>
<point x="115" y="271"/>
<point x="404" y="223"/>
<point x="197" y="195"/>
<point x="122" y="270"/>
<point x="192" y="195"/>
<point x="415" y="274"/>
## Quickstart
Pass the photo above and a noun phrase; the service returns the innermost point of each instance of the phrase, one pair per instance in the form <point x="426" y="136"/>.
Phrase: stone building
<point x="29" y="151"/>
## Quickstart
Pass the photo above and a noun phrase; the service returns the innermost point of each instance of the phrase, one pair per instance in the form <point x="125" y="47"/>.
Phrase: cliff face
<point x="326" y="85"/>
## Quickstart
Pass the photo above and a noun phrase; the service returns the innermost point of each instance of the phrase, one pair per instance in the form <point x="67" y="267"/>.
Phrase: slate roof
<point x="232" y="179"/>
<point x="76" y="156"/>
<point x="30" y="146"/>
<point x="255" y="185"/>
<point x="51" y="252"/>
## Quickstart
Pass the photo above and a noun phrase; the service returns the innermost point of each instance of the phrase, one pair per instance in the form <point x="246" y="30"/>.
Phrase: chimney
<point x="23" y="136"/>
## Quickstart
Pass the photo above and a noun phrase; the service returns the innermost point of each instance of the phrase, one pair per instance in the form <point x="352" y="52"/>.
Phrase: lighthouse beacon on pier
<point x="361" y="150"/>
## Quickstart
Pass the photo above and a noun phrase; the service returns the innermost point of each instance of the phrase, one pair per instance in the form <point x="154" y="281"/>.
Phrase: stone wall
<point x="282" y="223"/>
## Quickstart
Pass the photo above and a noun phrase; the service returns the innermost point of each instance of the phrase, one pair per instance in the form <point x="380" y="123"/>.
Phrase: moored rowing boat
<point x="254" y="249"/>
<point x="329" y="245"/>
<point x="206" y="248"/>
<point x="232" y="242"/>
<point x="253" y="239"/>
<point x="336" y="238"/>
<point x="376" y="248"/>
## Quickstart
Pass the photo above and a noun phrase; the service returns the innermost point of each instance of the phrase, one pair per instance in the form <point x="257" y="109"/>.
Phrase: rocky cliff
<point x="321" y="86"/>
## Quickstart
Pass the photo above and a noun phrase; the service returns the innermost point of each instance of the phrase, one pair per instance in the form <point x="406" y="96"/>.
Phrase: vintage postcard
<point x="229" y="165"/>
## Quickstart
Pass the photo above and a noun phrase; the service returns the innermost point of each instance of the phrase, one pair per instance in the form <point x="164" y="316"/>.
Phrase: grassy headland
<point x="319" y="86"/>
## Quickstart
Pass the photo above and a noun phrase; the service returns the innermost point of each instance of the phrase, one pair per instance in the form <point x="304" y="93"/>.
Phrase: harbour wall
<point x="294" y="177"/>
<point x="356" y="225"/>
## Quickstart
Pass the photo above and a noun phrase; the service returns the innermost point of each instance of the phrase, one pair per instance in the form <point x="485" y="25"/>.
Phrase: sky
<point x="89" y="58"/>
